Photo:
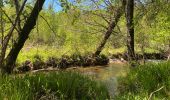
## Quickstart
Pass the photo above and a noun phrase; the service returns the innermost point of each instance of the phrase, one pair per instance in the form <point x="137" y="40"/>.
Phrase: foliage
<point x="69" y="31"/>
<point x="143" y="80"/>
<point x="152" y="25"/>
<point x="56" y="85"/>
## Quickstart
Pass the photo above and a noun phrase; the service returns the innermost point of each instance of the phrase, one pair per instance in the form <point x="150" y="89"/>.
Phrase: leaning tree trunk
<point x="118" y="13"/>
<point x="130" y="29"/>
<point x="23" y="36"/>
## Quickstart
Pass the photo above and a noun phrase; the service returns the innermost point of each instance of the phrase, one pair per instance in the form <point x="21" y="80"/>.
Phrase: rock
<point x="168" y="58"/>
<point x="52" y="61"/>
<point x="26" y="66"/>
<point x="38" y="64"/>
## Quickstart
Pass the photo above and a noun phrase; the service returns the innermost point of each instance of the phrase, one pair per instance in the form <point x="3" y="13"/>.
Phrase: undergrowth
<point x="150" y="80"/>
<point x="51" y="86"/>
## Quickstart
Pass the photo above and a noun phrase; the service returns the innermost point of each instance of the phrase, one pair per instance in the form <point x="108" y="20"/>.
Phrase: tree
<point x="17" y="7"/>
<point x="2" y="30"/>
<point x="9" y="61"/>
<point x="129" y="11"/>
<point x="118" y="13"/>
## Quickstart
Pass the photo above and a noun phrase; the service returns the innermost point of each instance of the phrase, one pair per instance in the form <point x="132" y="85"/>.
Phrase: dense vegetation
<point x="79" y="29"/>
<point x="51" y="86"/>
<point x="150" y="81"/>
<point x="58" y="34"/>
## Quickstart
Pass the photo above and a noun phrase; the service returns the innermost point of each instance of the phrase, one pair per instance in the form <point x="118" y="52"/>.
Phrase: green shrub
<point x="145" y="79"/>
<point x="58" y="85"/>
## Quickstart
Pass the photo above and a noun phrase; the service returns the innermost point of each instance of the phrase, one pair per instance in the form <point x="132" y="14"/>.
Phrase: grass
<point x="140" y="82"/>
<point x="58" y="85"/>
<point x="29" y="52"/>
<point x="38" y="61"/>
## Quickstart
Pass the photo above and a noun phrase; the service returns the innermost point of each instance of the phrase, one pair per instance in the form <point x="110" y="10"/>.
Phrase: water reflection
<point x="106" y="74"/>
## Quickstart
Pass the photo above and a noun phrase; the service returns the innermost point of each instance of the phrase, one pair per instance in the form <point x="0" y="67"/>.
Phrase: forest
<point x="84" y="49"/>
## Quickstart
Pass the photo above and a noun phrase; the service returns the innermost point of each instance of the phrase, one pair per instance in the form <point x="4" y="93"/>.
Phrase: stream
<point x="106" y="74"/>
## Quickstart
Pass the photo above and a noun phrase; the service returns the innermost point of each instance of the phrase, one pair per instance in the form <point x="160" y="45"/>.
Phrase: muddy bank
<point x="82" y="61"/>
<point x="63" y="62"/>
<point x="155" y="56"/>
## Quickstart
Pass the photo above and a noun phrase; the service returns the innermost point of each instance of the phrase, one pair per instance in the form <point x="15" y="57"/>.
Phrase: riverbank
<point x="104" y="78"/>
<point x="155" y="56"/>
<point x="63" y="63"/>
<point x="78" y="60"/>
<point x="116" y="81"/>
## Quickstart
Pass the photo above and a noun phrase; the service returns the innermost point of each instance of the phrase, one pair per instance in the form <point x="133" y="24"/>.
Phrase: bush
<point x="59" y="85"/>
<point x="145" y="79"/>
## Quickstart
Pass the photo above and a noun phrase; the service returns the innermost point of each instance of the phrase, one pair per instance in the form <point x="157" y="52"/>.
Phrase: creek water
<point x="106" y="74"/>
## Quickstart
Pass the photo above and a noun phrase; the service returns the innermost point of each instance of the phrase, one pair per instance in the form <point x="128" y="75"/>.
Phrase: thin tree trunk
<point x="130" y="29"/>
<point x="17" y="7"/>
<point x="143" y="47"/>
<point x="169" y="43"/>
<point x="9" y="35"/>
<point x="29" y="25"/>
<point x="2" y="37"/>
<point x="118" y="13"/>
<point x="2" y="31"/>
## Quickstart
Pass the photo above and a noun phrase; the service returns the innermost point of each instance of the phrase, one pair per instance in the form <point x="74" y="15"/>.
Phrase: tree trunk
<point x="2" y="32"/>
<point x="17" y="7"/>
<point x="7" y="38"/>
<point x="118" y="13"/>
<point x="28" y="26"/>
<point x="130" y="29"/>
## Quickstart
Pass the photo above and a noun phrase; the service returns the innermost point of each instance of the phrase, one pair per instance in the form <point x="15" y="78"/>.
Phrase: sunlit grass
<point x="29" y="53"/>
<point x="44" y="51"/>
<point x="58" y="85"/>
<point x="140" y="82"/>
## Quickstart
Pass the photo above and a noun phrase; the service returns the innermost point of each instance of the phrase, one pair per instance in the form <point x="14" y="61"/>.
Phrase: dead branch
<point x="150" y="96"/>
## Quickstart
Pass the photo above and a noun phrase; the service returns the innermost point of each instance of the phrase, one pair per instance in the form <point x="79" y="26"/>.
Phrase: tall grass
<point x="142" y="81"/>
<point x="29" y="52"/>
<point x="58" y="85"/>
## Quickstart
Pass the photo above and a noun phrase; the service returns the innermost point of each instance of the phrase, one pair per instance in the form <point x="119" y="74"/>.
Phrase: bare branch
<point x="97" y="5"/>
<point x="9" y="35"/>
<point x="150" y="96"/>
<point x="102" y="16"/>
<point x="50" y="27"/>
<point x="96" y="24"/>
<point x="9" y="19"/>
